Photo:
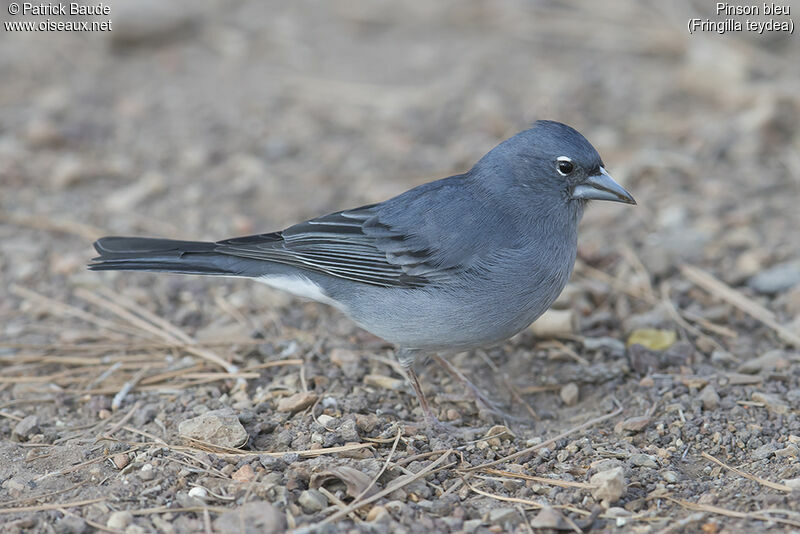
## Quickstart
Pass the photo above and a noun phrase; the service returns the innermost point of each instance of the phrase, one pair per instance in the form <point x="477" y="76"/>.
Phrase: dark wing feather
<point x="420" y="237"/>
<point x="349" y="244"/>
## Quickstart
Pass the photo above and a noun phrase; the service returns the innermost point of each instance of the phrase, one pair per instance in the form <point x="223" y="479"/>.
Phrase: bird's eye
<point x="564" y="166"/>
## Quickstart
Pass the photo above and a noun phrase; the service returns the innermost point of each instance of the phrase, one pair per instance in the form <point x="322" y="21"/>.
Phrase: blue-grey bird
<point x="458" y="263"/>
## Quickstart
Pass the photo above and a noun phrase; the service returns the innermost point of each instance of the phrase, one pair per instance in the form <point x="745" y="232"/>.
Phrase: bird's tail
<point x="163" y="255"/>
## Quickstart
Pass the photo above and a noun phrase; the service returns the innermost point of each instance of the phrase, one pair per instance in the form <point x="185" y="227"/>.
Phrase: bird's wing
<point x="421" y="237"/>
<point x="349" y="244"/>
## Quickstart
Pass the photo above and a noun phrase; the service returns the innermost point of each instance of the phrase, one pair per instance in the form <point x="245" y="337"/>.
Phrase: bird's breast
<point x="482" y="306"/>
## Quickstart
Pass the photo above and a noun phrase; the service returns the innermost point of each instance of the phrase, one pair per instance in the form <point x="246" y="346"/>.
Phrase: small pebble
<point x="120" y="460"/>
<point x="297" y="402"/>
<point x="14" y="485"/>
<point x="723" y="357"/>
<point x="609" y="344"/>
<point x="243" y="474"/>
<point x="499" y="516"/>
<point x="643" y="460"/>
<point x="769" y="361"/>
<point x="119" y="520"/>
<point x="348" y="431"/>
<point x="709" y="397"/>
<point x="367" y="422"/>
<point x="633" y="424"/>
<point x="326" y="421"/>
<point x="771" y="402"/>
<point x="776" y="279"/>
<point x="377" y="513"/>
<point x="147" y="472"/>
<point x="312" y="501"/>
<point x="472" y="525"/>
<point x="647" y="382"/>
<point x="258" y="516"/>
<point x="452" y="414"/>
<point x="71" y="524"/>
<point x="496" y="434"/>
<point x="218" y="427"/>
<point x="670" y="477"/>
<point x="764" y="451"/>
<point x="27" y="427"/>
<point x="610" y="485"/>
<point x="384" y="382"/>
<point x="549" y="517"/>
<point x="198" y="492"/>
<point x="569" y="394"/>
<point x="348" y="361"/>
<point x="793" y="483"/>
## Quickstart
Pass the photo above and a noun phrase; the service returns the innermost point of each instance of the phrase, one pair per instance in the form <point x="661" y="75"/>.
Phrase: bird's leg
<point x="473" y="390"/>
<point x="430" y="419"/>
<point x="406" y="358"/>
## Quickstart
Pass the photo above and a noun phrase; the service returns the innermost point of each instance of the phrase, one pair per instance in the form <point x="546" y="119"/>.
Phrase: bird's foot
<point x="488" y="406"/>
<point x="442" y="435"/>
<point x="434" y="425"/>
<point x="484" y="403"/>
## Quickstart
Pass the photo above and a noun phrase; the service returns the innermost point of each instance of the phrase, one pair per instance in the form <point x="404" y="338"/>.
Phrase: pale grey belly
<point x="468" y="311"/>
<point x="440" y="319"/>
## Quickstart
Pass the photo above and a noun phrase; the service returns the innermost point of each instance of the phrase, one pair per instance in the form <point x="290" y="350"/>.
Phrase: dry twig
<point x="542" y="480"/>
<point x="54" y="506"/>
<point x="759" y="516"/>
<point x="154" y="325"/>
<point x="762" y="481"/>
<point x="386" y="491"/>
<point x="731" y="296"/>
<point x="550" y="441"/>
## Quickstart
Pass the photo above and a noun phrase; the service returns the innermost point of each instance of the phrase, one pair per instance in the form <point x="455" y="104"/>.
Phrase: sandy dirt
<point x="161" y="403"/>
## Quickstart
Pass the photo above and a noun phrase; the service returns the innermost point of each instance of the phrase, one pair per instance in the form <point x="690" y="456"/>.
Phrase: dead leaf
<point x="354" y="480"/>
<point x="653" y="338"/>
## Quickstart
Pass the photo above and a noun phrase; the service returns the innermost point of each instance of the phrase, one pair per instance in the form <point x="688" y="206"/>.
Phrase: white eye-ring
<point x="564" y="165"/>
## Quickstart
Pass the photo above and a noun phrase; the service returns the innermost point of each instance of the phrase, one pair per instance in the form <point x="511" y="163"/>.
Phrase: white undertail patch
<point x="299" y="286"/>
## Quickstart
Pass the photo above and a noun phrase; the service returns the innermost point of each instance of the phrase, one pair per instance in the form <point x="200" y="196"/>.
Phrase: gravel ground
<point x="662" y="396"/>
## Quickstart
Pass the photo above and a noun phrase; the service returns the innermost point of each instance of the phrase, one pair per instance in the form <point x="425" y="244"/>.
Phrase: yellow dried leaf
<point x="652" y="338"/>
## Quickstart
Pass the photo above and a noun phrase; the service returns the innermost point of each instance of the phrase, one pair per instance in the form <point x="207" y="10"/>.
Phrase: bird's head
<point x="554" y="161"/>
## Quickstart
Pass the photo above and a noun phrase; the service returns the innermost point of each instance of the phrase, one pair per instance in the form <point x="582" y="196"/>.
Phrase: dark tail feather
<point x="163" y="255"/>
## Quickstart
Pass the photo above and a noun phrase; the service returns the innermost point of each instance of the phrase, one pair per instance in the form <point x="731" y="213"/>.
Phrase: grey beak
<point x="602" y="187"/>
